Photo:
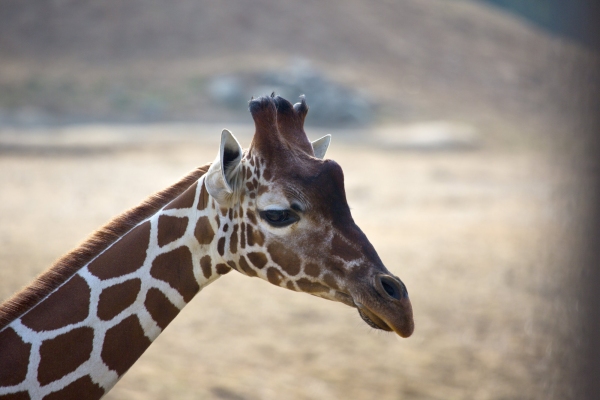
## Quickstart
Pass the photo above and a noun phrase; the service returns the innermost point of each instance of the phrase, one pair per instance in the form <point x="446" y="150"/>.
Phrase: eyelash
<point x="279" y="218"/>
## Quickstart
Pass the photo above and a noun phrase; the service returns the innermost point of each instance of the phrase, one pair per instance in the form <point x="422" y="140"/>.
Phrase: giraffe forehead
<point x="325" y="191"/>
<point x="299" y="182"/>
<point x="281" y="197"/>
<point x="273" y="196"/>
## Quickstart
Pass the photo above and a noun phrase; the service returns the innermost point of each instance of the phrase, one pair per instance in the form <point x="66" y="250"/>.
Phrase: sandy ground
<point x="478" y="237"/>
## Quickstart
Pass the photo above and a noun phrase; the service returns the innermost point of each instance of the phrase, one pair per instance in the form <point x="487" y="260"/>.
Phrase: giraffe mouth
<point x="403" y="327"/>
<point x="371" y="319"/>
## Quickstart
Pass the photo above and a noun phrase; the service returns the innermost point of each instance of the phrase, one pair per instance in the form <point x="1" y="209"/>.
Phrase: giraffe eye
<point x="279" y="218"/>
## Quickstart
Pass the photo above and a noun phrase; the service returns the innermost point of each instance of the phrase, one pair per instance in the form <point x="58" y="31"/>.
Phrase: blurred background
<point x="464" y="128"/>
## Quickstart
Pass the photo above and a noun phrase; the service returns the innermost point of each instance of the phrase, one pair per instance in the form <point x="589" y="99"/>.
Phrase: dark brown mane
<point x="69" y="264"/>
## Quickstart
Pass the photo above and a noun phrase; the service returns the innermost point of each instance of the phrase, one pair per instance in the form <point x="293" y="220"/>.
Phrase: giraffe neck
<point x="80" y="339"/>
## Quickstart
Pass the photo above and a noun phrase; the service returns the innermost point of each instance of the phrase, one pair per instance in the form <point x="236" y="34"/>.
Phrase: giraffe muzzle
<point x="390" y="308"/>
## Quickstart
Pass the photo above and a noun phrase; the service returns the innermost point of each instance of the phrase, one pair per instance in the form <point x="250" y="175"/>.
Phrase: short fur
<point x="69" y="264"/>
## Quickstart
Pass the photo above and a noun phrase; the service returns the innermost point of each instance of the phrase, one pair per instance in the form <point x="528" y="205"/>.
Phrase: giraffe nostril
<point x="392" y="287"/>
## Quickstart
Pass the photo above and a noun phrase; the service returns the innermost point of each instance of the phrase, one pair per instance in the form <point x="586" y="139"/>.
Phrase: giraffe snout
<point x="386" y="306"/>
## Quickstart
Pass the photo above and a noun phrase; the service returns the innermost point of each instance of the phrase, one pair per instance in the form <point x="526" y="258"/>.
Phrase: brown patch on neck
<point x="204" y="232"/>
<point x="160" y="308"/>
<point x="76" y="389"/>
<point x="124" y="343"/>
<point x="170" y="229"/>
<point x="185" y="200"/>
<point x="19" y="396"/>
<point x="66" y="266"/>
<point x="15" y="357"/>
<point x="64" y="353"/>
<point x="125" y="256"/>
<point x="177" y="269"/>
<point x="117" y="298"/>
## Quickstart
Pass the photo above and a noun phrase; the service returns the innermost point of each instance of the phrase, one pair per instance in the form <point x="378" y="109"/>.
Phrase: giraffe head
<point x="288" y="220"/>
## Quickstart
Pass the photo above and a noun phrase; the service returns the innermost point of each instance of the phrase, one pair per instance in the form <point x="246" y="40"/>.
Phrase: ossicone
<point x="301" y="107"/>
<point x="263" y="111"/>
<point x="279" y="125"/>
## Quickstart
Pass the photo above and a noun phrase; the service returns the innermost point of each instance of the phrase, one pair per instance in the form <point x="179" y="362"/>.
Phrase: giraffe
<point x="276" y="211"/>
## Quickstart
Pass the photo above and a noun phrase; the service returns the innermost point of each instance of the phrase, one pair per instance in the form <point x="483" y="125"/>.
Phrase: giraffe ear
<point x="221" y="177"/>
<point x="320" y="146"/>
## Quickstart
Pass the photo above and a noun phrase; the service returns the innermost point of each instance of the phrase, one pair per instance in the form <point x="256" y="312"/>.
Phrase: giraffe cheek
<point x="274" y="276"/>
<point x="233" y="240"/>
<point x="246" y="268"/>
<point x="309" y="286"/>
<point x="312" y="269"/>
<point x="331" y="282"/>
<point x="258" y="237"/>
<point x="285" y="258"/>
<point x="258" y="259"/>
<point x="206" y="266"/>
<point x="223" y="269"/>
<point x="345" y="251"/>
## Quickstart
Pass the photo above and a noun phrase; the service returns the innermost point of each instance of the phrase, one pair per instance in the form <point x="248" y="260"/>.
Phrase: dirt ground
<point x="478" y="236"/>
